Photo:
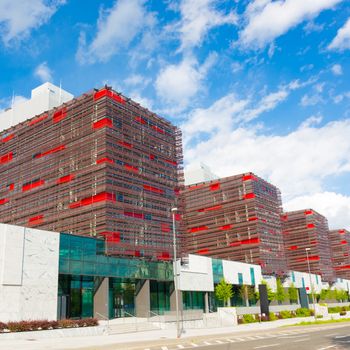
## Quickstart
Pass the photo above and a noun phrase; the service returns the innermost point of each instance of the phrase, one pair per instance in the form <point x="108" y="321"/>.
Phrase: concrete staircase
<point x="131" y="327"/>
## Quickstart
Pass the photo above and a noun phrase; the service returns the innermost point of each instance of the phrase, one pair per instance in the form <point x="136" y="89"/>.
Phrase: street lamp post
<point x="174" y="210"/>
<point x="311" y="286"/>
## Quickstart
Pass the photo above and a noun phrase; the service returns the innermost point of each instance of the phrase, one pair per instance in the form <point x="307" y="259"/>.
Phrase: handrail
<point x="131" y="315"/>
<point x="156" y="315"/>
<point x="105" y="318"/>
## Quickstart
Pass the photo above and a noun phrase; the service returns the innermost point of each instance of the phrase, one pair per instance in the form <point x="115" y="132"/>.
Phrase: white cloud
<point x="337" y="69"/>
<point x="43" y="72"/>
<point x="176" y="85"/>
<point x="314" y="98"/>
<point x="335" y="206"/>
<point x="137" y="80"/>
<point x="341" y="41"/>
<point x="197" y="18"/>
<point x="298" y="162"/>
<point x="19" y="18"/>
<point x="117" y="27"/>
<point x="267" y="20"/>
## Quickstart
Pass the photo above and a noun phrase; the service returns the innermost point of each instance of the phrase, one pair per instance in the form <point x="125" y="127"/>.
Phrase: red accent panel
<point x="131" y="168"/>
<point x="178" y="217"/>
<point x="341" y="232"/>
<point x="37" y="120"/>
<point x="152" y="156"/>
<point x="64" y="179"/>
<point x="3" y="201"/>
<point x="51" y="151"/>
<point x="111" y="237"/>
<point x="36" y="220"/>
<point x="308" y="212"/>
<point x="313" y="241"/>
<point x="249" y="196"/>
<point x="293" y="247"/>
<point x="7" y="138"/>
<point x="311" y="258"/>
<point x="125" y="144"/>
<point x="134" y="215"/>
<point x="217" y="207"/>
<point x="156" y="128"/>
<point x="248" y="177"/>
<point x="153" y="189"/>
<point x="284" y="217"/>
<point x="100" y="197"/>
<point x="165" y="227"/>
<point x="32" y="185"/>
<point x="198" y="228"/>
<point x="344" y="242"/>
<point x="59" y="115"/>
<point x="6" y="158"/>
<point x="105" y="122"/>
<point x="140" y="120"/>
<point x="246" y="242"/>
<point x="104" y="160"/>
<point x="203" y="251"/>
<point x="225" y="227"/>
<point x="108" y="93"/>
<point x="310" y="225"/>
<point x="164" y="256"/>
<point x="195" y="187"/>
<point x="214" y="187"/>
<point x="137" y="253"/>
<point x="253" y="218"/>
<point x="11" y="186"/>
<point x="170" y="162"/>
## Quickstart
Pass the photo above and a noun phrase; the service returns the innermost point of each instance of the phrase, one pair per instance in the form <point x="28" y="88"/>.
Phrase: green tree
<point x="341" y="295"/>
<point x="270" y="293"/>
<point x="324" y="295"/>
<point x="223" y="292"/>
<point x="293" y="293"/>
<point x="280" y="293"/>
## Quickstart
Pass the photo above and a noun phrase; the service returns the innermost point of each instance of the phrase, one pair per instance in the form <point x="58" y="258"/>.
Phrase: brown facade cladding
<point x="236" y="218"/>
<point x="308" y="229"/>
<point x="99" y="165"/>
<point x="340" y="243"/>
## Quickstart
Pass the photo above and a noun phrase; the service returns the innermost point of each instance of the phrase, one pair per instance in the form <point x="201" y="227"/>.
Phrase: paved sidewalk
<point x="129" y="340"/>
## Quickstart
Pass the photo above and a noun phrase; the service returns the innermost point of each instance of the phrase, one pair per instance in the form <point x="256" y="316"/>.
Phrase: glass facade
<point x="218" y="270"/>
<point x="240" y="278"/>
<point x="252" y="276"/>
<point x="193" y="300"/>
<point x="86" y="256"/>
<point x="121" y="297"/>
<point x="160" y="296"/>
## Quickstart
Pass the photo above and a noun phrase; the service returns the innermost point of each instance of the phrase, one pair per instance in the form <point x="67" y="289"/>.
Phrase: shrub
<point x="249" y="318"/>
<point x="273" y="317"/>
<point x="319" y="316"/>
<point x="303" y="312"/>
<point x="3" y="326"/>
<point x="334" y="309"/>
<point x="286" y="314"/>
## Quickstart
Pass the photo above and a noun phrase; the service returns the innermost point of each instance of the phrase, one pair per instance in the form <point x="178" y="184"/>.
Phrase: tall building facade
<point x="340" y="244"/>
<point x="236" y="218"/>
<point x="307" y="229"/>
<point x="98" y="165"/>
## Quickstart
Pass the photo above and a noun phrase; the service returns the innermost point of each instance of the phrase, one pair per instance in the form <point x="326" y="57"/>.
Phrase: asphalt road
<point x="311" y="338"/>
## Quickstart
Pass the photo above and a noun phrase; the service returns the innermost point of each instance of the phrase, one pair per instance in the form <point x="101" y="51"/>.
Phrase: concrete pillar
<point x="101" y="300"/>
<point x="206" y="302"/>
<point x="143" y="301"/>
<point x="173" y="301"/>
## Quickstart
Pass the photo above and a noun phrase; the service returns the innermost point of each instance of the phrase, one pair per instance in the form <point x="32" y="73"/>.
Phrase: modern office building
<point x="340" y="244"/>
<point x="98" y="165"/>
<point x="307" y="243"/>
<point x="236" y="218"/>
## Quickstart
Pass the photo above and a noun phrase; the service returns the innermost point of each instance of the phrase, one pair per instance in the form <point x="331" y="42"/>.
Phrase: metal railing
<point x="129" y="315"/>
<point x="104" y="318"/>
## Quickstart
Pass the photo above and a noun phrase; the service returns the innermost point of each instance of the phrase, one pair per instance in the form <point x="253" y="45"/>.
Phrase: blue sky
<point x="256" y="85"/>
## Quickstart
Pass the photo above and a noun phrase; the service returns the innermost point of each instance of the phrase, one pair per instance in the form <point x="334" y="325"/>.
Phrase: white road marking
<point x="194" y="345"/>
<point x="341" y="336"/>
<point x="231" y="340"/>
<point x="259" y="337"/>
<point x="164" y="348"/>
<point x="219" y="342"/>
<point x="266" y="346"/>
<point x="240" y="339"/>
<point x="206" y="343"/>
<point x="180" y="346"/>
<point x="300" y="340"/>
<point x="327" y="347"/>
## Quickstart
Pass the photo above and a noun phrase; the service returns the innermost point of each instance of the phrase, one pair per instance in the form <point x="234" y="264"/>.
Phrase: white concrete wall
<point x="197" y="275"/>
<point x="198" y="172"/>
<point x="341" y="284"/>
<point x="28" y="273"/>
<point x="232" y="268"/>
<point x="43" y="98"/>
<point x="316" y="281"/>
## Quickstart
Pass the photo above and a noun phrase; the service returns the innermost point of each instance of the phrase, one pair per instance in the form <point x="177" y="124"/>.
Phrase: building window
<point x="252" y="276"/>
<point x="240" y="278"/>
